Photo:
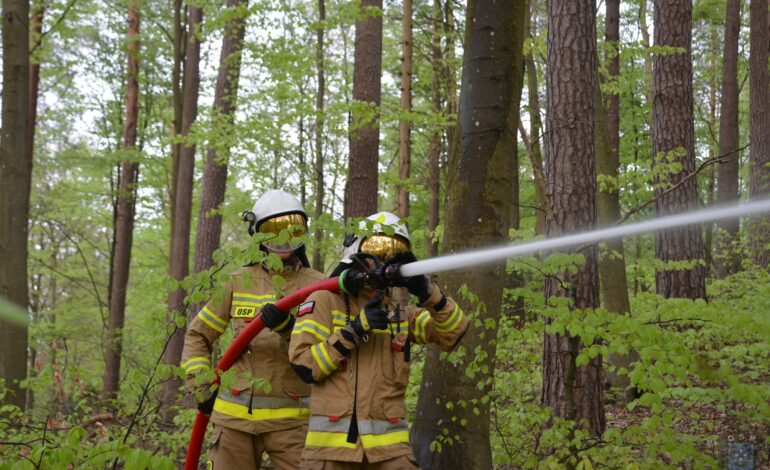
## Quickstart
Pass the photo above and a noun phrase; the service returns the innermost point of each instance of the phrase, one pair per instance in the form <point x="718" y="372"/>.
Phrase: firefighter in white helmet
<point x="353" y="346"/>
<point x="249" y="420"/>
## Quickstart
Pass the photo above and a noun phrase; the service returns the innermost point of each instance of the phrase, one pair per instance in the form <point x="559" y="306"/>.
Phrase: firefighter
<point x="354" y="348"/>
<point x="250" y="419"/>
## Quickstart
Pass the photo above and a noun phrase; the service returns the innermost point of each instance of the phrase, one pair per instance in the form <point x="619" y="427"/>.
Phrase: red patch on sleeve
<point x="306" y="308"/>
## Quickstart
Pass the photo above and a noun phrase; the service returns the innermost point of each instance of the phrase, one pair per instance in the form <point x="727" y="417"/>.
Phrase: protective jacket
<point x="365" y="383"/>
<point x="246" y="407"/>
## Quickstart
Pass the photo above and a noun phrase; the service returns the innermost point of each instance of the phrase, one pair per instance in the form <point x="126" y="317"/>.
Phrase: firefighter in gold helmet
<point x="354" y="348"/>
<point x="249" y="420"/>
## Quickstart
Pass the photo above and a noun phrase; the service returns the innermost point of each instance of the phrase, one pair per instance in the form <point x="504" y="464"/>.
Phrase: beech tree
<point x="15" y="182"/>
<point x="477" y="214"/>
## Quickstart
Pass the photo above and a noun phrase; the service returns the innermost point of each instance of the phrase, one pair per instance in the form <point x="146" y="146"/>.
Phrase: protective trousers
<point x="232" y="449"/>
<point x="398" y="463"/>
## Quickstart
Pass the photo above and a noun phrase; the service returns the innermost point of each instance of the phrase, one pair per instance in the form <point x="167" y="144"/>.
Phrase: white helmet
<point x="382" y="242"/>
<point x="274" y="212"/>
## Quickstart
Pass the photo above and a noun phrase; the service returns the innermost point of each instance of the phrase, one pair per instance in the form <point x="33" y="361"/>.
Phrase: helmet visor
<point x="292" y="224"/>
<point x="384" y="246"/>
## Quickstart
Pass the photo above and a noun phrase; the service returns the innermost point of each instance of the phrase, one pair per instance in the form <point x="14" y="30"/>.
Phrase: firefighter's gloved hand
<point x="352" y="281"/>
<point x="275" y="318"/>
<point x="207" y="406"/>
<point x="373" y="317"/>
<point x="418" y="286"/>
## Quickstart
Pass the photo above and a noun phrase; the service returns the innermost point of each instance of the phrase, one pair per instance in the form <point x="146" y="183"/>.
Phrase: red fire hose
<point x="234" y="352"/>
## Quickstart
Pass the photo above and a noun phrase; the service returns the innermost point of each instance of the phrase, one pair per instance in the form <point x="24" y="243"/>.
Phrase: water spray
<point x="470" y="259"/>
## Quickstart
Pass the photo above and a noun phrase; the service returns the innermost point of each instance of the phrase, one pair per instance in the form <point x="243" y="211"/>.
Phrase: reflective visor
<point x="295" y="223"/>
<point x="384" y="246"/>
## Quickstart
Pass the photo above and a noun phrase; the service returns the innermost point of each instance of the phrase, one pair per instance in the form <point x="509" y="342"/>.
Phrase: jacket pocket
<point x="395" y="368"/>
<point x="330" y="405"/>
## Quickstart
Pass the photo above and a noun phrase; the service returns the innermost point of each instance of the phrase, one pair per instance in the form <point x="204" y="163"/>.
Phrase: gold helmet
<point x="274" y="213"/>
<point x="382" y="244"/>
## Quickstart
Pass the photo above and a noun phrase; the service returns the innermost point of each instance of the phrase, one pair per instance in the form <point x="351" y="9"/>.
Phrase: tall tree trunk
<point x="176" y="100"/>
<point x="36" y="25"/>
<point x="124" y="221"/>
<point x="434" y="150"/>
<point x="361" y="187"/>
<point x="759" y="139"/>
<point x="571" y="392"/>
<point x="478" y="190"/>
<point x="450" y="73"/>
<point x="214" y="182"/>
<point x="612" y="261"/>
<point x="708" y="235"/>
<point x="727" y="261"/>
<point x="405" y="124"/>
<point x="179" y="264"/>
<point x="673" y="140"/>
<point x="15" y="182"/>
<point x="532" y="141"/>
<point x="318" y="260"/>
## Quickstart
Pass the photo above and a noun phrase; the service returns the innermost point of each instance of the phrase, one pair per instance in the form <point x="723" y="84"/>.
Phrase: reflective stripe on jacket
<point x="238" y="302"/>
<point x="376" y="367"/>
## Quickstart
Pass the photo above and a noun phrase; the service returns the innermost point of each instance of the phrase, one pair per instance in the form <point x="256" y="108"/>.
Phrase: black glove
<point x="275" y="318"/>
<point x="418" y="286"/>
<point x="352" y="281"/>
<point x="207" y="406"/>
<point x="372" y="318"/>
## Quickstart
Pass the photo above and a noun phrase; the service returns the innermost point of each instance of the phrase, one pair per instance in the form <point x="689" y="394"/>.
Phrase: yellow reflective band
<point x="364" y="321"/>
<point x="259" y="414"/>
<point x="339" y="316"/>
<point x="403" y="326"/>
<point x="283" y="324"/>
<point x="313" y="327"/>
<point x="252" y="296"/>
<point x="212" y="320"/>
<point x="195" y="359"/>
<point x="196" y="367"/>
<point x="419" y="327"/>
<point x="328" y="439"/>
<point x="452" y="322"/>
<point x="320" y="359"/>
<point x="375" y="440"/>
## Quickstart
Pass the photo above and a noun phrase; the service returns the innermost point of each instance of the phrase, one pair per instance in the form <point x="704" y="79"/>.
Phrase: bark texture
<point x="759" y="140"/>
<point x="318" y="261"/>
<point x="124" y="217"/>
<point x="405" y="124"/>
<point x="727" y="262"/>
<point x="673" y="140"/>
<point x="479" y="190"/>
<point x="179" y="264"/>
<point x="214" y="182"/>
<point x="571" y="392"/>
<point x="361" y="187"/>
<point x="15" y="182"/>
<point x="434" y="149"/>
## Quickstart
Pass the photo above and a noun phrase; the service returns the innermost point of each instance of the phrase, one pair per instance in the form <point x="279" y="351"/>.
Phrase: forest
<point x="135" y="133"/>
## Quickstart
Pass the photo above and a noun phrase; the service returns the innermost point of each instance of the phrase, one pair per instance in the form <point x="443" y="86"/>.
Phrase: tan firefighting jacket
<point x="374" y="374"/>
<point x="245" y="407"/>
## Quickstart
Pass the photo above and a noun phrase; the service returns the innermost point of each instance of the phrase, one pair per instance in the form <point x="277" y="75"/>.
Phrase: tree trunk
<point x="214" y="181"/>
<point x="478" y="190"/>
<point x="124" y="221"/>
<point x="405" y="123"/>
<point x="361" y="187"/>
<point x="179" y="266"/>
<point x="318" y="260"/>
<point x="450" y="73"/>
<point x="176" y="100"/>
<point x="571" y="392"/>
<point x="15" y="182"/>
<point x="759" y="111"/>
<point x="532" y="141"/>
<point x="36" y="25"/>
<point x="434" y="150"/>
<point x="673" y="139"/>
<point x="612" y="262"/>
<point x="727" y="261"/>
